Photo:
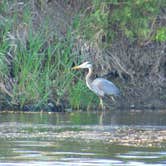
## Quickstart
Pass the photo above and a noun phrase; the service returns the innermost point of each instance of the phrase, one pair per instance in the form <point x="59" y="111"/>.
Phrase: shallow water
<point x="51" y="139"/>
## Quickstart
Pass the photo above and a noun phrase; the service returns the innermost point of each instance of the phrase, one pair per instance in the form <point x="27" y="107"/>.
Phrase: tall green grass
<point x="42" y="71"/>
<point x="80" y="97"/>
<point x="39" y="64"/>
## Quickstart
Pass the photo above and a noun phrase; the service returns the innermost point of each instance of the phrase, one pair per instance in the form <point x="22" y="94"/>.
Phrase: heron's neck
<point x="88" y="79"/>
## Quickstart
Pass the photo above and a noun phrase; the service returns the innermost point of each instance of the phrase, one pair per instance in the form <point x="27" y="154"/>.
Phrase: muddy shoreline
<point x="122" y="136"/>
<point x="139" y="138"/>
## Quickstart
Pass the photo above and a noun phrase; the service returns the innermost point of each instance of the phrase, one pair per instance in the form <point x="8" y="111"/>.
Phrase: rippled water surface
<point x="76" y="139"/>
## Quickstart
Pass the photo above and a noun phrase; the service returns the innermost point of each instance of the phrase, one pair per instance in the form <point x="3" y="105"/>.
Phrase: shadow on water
<point x="82" y="138"/>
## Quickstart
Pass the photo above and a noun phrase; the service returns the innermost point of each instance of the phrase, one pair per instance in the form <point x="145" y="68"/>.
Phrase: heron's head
<point x="83" y="66"/>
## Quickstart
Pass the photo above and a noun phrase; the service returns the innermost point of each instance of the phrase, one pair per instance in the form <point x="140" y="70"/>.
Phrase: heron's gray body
<point x="103" y="87"/>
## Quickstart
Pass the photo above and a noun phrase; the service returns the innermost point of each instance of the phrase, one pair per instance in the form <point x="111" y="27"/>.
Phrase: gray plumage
<point x="107" y="87"/>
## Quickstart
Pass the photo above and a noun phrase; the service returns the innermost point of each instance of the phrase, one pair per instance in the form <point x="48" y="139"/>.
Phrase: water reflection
<point x="90" y="118"/>
<point x="37" y="139"/>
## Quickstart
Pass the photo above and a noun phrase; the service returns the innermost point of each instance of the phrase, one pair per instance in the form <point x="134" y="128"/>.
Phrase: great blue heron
<point x="99" y="86"/>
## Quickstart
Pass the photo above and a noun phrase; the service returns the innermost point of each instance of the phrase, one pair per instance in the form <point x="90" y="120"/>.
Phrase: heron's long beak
<point x="76" y="67"/>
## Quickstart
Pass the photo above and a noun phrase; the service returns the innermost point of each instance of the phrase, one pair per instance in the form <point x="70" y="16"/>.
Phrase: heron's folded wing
<point x="106" y="86"/>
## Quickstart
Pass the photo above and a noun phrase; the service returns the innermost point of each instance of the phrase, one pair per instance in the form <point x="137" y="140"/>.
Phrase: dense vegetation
<point x="138" y="20"/>
<point x="41" y="41"/>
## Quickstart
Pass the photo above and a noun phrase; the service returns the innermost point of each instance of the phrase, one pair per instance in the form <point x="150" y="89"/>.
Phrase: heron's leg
<point x="101" y="103"/>
<point x="101" y="117"/>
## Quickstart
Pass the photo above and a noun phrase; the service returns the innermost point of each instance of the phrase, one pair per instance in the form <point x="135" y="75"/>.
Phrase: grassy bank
<point x="35" y="65"/>
<point x="41" y="41"/>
